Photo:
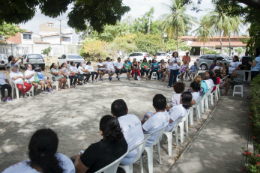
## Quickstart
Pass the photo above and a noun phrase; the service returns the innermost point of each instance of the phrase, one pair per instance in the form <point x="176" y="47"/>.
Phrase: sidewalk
<point x="217" y="146"/>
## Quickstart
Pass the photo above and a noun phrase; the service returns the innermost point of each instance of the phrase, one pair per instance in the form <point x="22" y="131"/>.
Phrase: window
<point x="27" y="36"/>
<point x="161" y="54"/>
<point x="74" y="57"/>
<point x="139" y="54"/>
<point x="211" y="57"/>
<point x="34" y="56"/>
<point x="66" y="39"/>
<point x="147" y="55"/>
<point x="219" y="58"/>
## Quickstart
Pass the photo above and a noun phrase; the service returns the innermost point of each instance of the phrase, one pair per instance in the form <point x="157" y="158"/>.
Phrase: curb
<point x="187" y="149"/>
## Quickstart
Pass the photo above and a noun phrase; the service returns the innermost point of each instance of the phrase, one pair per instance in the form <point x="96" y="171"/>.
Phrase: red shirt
<point x="187" y="58"/>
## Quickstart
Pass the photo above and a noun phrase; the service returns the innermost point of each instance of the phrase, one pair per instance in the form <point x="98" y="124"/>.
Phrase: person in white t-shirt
<point x="43" y="157"/>
<point x="179" y="111"/>
<point x="30" y="76"/>
<point x="14" y="62"/>
<point x="101" y="69"/>
<point x="179" y="88"/>
<point x="195" y="91"/>
<point x="4" y="84"/>
<point x="131" y="127"/>
<point x="119" y="68"/>
<point x="158" y="120"/>
<point x="209" y="81"/>
<point x="219" y="65"/>
<point x="92" y="71"/>
<point x="85" y="73"/>
<point x="110" y="68"/>
<point x="75" y="72"/>
<point x="234" y="64"/>
<point x="174" y="66"/>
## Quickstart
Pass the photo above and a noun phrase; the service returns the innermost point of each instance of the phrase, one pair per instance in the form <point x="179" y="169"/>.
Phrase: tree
<point x="177" y="20"/>
<point x="8" y="30"/>
<point x="46" y="51"/>
<point x="96" y="12"/>
<point x="172" y="45"/>
<point x="239" y="50"/>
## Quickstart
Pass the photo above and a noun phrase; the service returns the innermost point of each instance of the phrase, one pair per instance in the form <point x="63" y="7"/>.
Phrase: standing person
<point x="43" y="156"/>
<point x="233" y="65"/>
<point x="92" y="71"/>
<point x="232" y="55"/>
<point x="83" y="72"/>
<point x="162" y="70"/>
<point x="135" y="68"/>
<point x="145" y="68"/>
<point x="66" y="72"/>
<point x="4" y="84"/>
<point x="186" y="58"/>
<point x="57" y="76"/>
<point x="245" y="61"/>
<point x="155" y="68"/>
<point x="119" y="68"/>
<point x="127" y="69"/>
<point x="18" y="80"/>
<point x="255" y="66"/>
<point x="131" y="127"/>
<point x="110" y="68"/>
<point x="101" y="69"/>
<point x="174" y="65"/>
<point x="14" y="62"/>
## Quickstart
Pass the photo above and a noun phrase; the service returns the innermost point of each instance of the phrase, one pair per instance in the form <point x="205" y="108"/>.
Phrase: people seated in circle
<point x="92" y="71"/>
<point x="43" y="156"/>
<point x="193" y="70"/>
<point x="179" y="88"/>
<point x="156" y="121"/>
<point x="195" y="91"/>
<point x="57" y="76"/>
<point x="75" y="72"/>
<point x="127" y="69"/>
<point x="162" y="70"/>
<point x="110" y="68"/>
<point x="5" y="84"/>
<point x="32" y="77"/>
<point x="237" y="79"/>
<point x="18" y="80"/>
<point x="131" y="128"/>
<point x="47" y="81"/>
<point x="101" y="69"/>
<point x="179" y="111"/>
<point x="213" y="65"/>
<point x="66" y="72"/>
<point x="135" y="68"/>
<point x="145" y="68"/>
<point x="104" y="152"/>
<point x="14" y="62"/>
<point x="119" y="68"/>
<point x="154" y="68"/>
<point x="83" y="72"/>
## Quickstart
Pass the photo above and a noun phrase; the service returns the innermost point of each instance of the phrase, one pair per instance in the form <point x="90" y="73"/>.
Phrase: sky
<point x="138" y="8"/>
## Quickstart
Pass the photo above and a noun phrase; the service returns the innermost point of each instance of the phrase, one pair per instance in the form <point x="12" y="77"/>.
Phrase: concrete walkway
<point x="217" y="146"/>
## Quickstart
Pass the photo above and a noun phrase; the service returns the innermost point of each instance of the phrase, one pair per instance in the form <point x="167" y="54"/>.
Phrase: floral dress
<point x="54" y="77"/>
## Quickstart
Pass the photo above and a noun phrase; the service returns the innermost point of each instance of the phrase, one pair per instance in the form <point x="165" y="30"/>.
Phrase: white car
<point x="4" y="61"/>
<point x="161" y="55"/>
<point x="140" y="56"/>
<point x="68" y="58"/>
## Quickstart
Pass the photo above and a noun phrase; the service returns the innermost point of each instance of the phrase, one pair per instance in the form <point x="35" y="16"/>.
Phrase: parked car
<point x="68" y="58"/>
<point x="34" y="59"/>
<point x="140" y="56"/>
<point x="4" y="61"/>
<point x="161" y="55"/>
<point x="204" y="61"/>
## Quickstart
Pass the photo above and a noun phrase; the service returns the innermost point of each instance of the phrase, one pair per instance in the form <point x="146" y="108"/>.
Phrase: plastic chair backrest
<point x="140" y="150"/>
<point x="159" y="136"/>
<point x="176" y="125"/>
<point x="198" y="102"/>
<point x="186" y="116"/>
<point x="112" y="167"/>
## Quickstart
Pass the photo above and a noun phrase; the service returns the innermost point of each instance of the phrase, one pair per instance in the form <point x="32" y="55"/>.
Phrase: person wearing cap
<point x="145" y="68"/>
<point x="119" y="67"/>
<point x="92" y="71"/>
<point x="101" y="69"/>
<point x="186" y="59"/>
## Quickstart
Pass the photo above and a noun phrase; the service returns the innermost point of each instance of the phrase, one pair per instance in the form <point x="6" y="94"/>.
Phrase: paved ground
<point x="218" y="147"/>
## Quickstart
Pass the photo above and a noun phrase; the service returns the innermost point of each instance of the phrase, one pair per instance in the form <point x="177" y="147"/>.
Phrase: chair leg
<point x="149" y="151"/>
<point x="141" y="164"/>
<point x="159" y="152"/>
<point x="191" y="116"/>
<point x="169" y="136"/>
<point x="202" y="105"/>
<point x="176" y="136"/>
<point x="181" y="131"/>
<point x="187" y="127"/>
<point x="242" y="91"/>
<point x="57" y="85"/>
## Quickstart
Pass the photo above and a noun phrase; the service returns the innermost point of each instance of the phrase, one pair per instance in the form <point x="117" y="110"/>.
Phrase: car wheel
<point x="5" y="67"/>
<point x="204" y="67"/>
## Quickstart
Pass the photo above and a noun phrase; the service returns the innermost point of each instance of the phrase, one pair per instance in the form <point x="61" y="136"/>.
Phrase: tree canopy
<point x="7" y="30"/>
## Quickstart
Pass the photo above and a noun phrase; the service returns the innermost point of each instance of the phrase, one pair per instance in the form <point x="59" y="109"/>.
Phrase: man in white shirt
<point x="110" y="68"/>
<point x="29" y="75"/>
<point x="157" y="121"/>
<point x="74" y="70"/>
<point x="131" y="127"/>
<point x="101" y="69"/>
<point x="118" y="66"/>
<point x="92" y="71"/>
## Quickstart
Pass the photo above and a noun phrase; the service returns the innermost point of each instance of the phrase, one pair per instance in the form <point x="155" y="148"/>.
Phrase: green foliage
<point x="227" y="50"/>
<point x="239" y="50"/>
<point x="125" y="44"/>
<point x="210" y="51"/>
<point x="46" y="51"/>
<point x="172" y="45"/>
<point x="8" y="30"/>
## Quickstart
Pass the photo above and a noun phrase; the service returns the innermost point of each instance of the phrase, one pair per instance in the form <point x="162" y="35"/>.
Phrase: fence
<point x="21" y="49"/>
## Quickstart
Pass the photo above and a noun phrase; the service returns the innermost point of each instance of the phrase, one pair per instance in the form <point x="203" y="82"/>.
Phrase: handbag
<point x="36" y="78"/>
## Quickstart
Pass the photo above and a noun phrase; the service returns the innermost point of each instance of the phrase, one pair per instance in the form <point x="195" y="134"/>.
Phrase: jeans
<point x="145" y="71"/>
<point x="3" y="87"/>
<point x="73" y="78"/>
<point x="173" y="77"/>
<point x="254" y="74"/>
<point x="93" y="74"/>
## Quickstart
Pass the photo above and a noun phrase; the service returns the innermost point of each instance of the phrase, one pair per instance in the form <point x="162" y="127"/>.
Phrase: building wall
<point x="16" y="39"/>
<point x="56" y="39"/>
<point x="44" y="28"/>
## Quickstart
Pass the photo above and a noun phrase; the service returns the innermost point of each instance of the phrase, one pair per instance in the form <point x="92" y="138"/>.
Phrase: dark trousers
<point x="87" y="76"/>
<point x="173" y="77"/>
<point x="145" y="71"/>
<point x="93" y="74"/>
<point x="254" y="74"/>
<point x="152" y="74"/>
<point x="246" y="75"/>
<point x="74" y="79"/>
<point x="3" y="87"/>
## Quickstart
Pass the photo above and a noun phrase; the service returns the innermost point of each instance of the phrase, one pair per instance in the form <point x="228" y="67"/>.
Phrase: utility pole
<point x="60" y="31"/>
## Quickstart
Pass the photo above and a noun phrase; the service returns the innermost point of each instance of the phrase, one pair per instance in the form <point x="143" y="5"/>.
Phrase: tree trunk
<point x="177" y="39"/>
<point x="229" y="44"/>
<point x="220" y="42"/>
<point x="203" y="46"/>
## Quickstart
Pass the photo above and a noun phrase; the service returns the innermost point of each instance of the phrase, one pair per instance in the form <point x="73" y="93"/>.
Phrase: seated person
<point x="101" y="69"/>
<point x="92" y="71"/>
<point x="66" y="72"/>
<point x="83" y="72"/>
<point x="180" y="110"/>
<point x="195" y="91"/>
<point x="18" y="80"/>
<point x="127" y="69"/>
<point x="208" y="81"/>
<point x="104" y="152"/>
<point x="30" y="76"/>
<point x="155" y="68"/>
<point x="193" y="70"/>
<point x="162" y="70"/>
<point x="237" y="78"/>
<point x="203" y="85"/>
<point x="145" y="68"/>
<point x="135" y="67"/>
<point x="75" y="72"/>
<point x="110" y="68"/>
<point x="212" y="79"/>
<point x="119" y="68"/>
<point x="14" y="62"/>
<point x="43" y="156"/>
<point x="198" y="80"/>
<point x="158" y="120"/>
<point x="38" y="70"/>
<point x="220" y="65"/>
<point x="131" y="128"/>
<point x="184" y="68"/>
<point x="179" y="88"/>
<point x="233" y="65"/>
<point x="57" y="76"/>
<point x="213" y="65"/>
<point x="4" y="84"/>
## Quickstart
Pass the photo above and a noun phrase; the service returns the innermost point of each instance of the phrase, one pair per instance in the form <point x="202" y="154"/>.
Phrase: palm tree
<point x="204" y="31"/>
<point x="177" y="20"/>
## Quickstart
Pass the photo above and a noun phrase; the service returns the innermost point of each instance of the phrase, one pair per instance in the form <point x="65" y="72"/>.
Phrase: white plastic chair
<point x="238" y="92"/>
<point x="197" y="110"/>
<point x="129" y="168"/>
<point x="169" y="136"/>
<point x="154" y="75"/>
<point x="149" y="150"/>
<point x="181" y="125"/>
<point x="112" y="167"/>
<point x="178" y="77"/>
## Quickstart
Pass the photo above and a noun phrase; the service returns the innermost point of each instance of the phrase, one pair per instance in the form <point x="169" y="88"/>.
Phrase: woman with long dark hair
<point x="174" y="66"/>
<point x="106" y="151"/>
<point x="233" y="65"/>
<point x="57" y="76"/>
<point x="14" y="62"/>
<point x="43" y="156"/>
<point x="255" y="66"/>
<point x="213" y="79"/>
<point x="66" y="72"/>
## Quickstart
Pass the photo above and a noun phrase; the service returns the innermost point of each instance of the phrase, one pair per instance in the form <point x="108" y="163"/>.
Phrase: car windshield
<point x="34" y="56"/>
<point x="161" y="54"/>
<point x="74" y="57"/>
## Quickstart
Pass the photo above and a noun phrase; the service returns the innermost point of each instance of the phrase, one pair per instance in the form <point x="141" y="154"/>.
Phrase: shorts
<point x="102" y="70"/>
<point x="125" y="70"/>
<point x="110" y="70"/>
<point x="233" y="83"/>
<point x="120" y="71"/>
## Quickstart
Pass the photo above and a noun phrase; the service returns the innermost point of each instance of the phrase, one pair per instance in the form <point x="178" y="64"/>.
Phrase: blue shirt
<point x="40" y="75"/>
<point x="130" y="63"/>
<point x="155" y="65"/>
<point x="193" y="69"/>
<point x="257" y="66"/>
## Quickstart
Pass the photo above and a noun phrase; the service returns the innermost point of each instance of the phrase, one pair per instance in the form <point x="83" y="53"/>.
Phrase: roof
<point x="232" y="36"/>
<point x="41" y="42"/>
<point x="28" y="32"/>
<point x="217" y="44"/>
<point x="50" y="35"/>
